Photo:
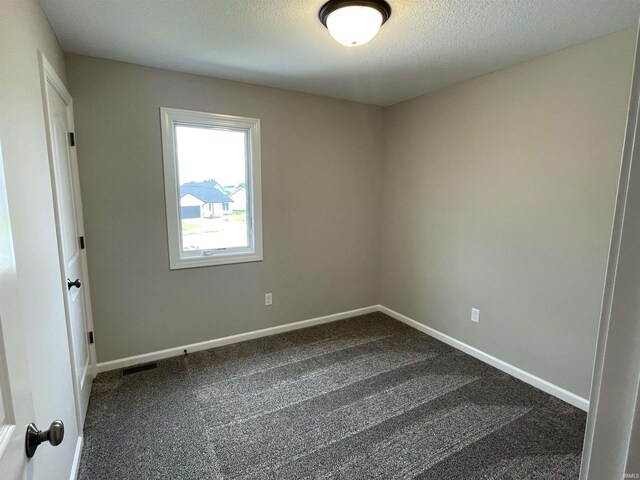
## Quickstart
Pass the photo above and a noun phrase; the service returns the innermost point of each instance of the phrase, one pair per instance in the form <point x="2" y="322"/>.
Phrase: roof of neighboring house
<point x="206" y="192"/>
<point x="236" y="191"/>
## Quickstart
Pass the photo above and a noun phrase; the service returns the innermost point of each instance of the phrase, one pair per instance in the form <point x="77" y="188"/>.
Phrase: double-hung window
<point x="212" y="188"/>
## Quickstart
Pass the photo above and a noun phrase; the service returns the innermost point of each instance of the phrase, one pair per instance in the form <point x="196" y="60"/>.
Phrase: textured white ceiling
<point x="426" y="45"/>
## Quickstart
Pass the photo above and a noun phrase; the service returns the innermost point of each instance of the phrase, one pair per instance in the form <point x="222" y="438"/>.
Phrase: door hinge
<point x="90" y="337"/>
<point x="72" y="139"/>
<point x="82" y="243"/>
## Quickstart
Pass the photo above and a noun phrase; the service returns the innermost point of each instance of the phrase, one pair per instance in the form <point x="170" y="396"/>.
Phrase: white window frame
<point x="172" y="117"/>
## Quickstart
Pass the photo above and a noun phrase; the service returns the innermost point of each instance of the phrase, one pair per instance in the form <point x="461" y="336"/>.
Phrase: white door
<point x="21" y="389"/>
<point x="68" y="209"/>
<point x="16" y="403"/>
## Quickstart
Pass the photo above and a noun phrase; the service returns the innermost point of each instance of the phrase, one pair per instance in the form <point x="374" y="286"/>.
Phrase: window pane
<point x="212" y="172"/>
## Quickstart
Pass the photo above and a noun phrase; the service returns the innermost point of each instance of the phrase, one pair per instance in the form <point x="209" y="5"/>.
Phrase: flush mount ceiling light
<point x="354" y="22"/>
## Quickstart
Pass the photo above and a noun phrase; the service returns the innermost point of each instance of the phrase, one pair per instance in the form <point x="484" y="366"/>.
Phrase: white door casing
<point x="58" y="106"/>
<point x="611" y="442"/>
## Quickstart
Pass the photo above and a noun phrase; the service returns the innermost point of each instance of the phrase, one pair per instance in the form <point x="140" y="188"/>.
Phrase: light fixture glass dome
<point x="354" y="22"/>
<point x="354" y="25"/>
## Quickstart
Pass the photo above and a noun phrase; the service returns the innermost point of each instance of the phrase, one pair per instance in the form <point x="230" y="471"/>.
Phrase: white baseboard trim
<point x="550" y="388"/>
<point x="75" y="466"/>
<point x="545" y="386"/>
<point x="218" y="342"/>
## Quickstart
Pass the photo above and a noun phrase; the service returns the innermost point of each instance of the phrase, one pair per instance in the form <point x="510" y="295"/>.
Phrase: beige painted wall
<point x="321" y="162"/>
<point x="24" y="30"/>
<point x="499" y="194"/>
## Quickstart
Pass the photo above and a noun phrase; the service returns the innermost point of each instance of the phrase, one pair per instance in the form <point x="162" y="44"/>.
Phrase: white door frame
<point x="50" y="77"/>
<point x="608" y="448"/>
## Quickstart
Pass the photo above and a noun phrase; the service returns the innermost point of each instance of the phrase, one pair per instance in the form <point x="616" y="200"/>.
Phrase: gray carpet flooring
<point x="362" y="398"/>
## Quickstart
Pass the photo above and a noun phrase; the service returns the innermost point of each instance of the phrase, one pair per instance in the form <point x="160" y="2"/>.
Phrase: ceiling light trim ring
<point x="331" y="6"/>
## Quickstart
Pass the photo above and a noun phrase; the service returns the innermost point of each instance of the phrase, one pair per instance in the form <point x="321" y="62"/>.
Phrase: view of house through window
<point x="212" y="188"/>
<point x="212" y="174"/>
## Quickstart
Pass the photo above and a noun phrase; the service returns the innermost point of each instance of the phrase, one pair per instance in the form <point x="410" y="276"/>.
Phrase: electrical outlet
<point x="268" y="299"/>
<point x="475" y="315"/>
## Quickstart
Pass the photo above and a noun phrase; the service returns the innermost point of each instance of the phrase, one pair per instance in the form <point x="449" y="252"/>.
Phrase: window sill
<point x="204" y="261"/>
